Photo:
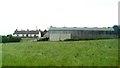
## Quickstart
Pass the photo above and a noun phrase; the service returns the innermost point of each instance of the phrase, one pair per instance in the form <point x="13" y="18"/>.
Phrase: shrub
<point x="71" y="40"/>
<point x="43" y="39"/>
<point x="9" y="38"/>
<point x="85" y="39"/>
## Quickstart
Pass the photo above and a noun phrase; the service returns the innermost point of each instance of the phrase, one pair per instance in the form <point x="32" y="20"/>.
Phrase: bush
<point x="43" y="39"/>
<point x="9" y="38"/>
<point x="71" y="40"/>
<point x="85" y="39"/>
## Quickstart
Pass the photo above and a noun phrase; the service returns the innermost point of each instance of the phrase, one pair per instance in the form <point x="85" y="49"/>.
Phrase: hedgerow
<point x="10" y="38"/>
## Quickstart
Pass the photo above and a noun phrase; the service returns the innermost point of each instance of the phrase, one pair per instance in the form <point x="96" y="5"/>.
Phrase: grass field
<point x="0" y="54"/>
<point x="69" y="53"/>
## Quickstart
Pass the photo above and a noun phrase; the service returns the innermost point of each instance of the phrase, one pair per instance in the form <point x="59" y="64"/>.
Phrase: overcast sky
<point x="27" y="14"/>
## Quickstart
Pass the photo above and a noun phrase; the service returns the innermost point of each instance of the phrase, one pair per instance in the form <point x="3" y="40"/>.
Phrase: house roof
<point x="26" y="32"/>
<point x="82" y="28"/>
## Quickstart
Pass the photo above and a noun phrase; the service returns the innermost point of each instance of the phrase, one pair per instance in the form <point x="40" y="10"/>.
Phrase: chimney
<point x="16" y="30"/>
<point x="27" y="29"/>
<point x="39" y="30"/>
<point x="36" y="28"/>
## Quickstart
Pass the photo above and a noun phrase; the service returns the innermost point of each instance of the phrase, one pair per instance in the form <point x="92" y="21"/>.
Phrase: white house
<point x="27" y="33"/>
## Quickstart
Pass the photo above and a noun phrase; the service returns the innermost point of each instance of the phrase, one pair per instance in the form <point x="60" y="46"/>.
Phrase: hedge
<point x="6" y="39"/>
<point x="71" y="39"/>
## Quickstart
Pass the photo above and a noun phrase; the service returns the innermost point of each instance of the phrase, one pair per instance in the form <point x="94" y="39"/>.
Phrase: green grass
<point x="69" y="53"/>
<point x="26" y="39"/>
<point x="0" y="54"/>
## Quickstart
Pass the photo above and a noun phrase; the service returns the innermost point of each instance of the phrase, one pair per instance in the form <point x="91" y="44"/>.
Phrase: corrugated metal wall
<point x="80" y="34"/>
<point x="59" y="35"/>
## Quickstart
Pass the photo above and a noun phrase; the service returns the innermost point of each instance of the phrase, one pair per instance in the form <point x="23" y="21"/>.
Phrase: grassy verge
<point x="0" y="54"/>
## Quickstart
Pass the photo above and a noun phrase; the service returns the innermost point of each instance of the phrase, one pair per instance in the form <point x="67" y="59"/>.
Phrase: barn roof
<point x="82" y="28"/>
<point x="27" y="32"/>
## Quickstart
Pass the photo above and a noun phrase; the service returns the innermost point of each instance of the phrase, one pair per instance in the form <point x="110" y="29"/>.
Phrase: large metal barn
<point x="62" y="33"/>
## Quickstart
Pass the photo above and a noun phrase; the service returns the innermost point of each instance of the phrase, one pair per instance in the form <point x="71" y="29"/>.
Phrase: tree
<point x="117" y="30"/>
<point x="9" y="35"/>
<point x="43" y="32"/>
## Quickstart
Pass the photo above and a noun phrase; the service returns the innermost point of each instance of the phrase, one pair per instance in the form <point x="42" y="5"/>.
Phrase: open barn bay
<point x="62" y="53"/>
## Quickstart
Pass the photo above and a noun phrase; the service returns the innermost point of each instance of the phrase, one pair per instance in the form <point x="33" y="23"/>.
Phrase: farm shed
<point x="62" y="33"/>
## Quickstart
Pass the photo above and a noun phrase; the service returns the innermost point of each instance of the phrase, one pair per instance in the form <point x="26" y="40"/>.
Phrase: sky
<point x="29" y="14"/>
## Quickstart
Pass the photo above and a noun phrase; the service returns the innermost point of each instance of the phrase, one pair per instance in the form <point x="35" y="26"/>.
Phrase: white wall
<point x="57" y="37"/>
<point x="20" y="35"/>
<point x="65" y="36"/>
<point x="39" y="35"/>
<point x="29" y="35"/>
<point x="14" y="35"/>
<point x="54" y="37"/>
